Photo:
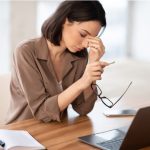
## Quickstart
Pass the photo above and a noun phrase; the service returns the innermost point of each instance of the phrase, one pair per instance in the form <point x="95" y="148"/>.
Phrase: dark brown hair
<point x="74" y="11"/>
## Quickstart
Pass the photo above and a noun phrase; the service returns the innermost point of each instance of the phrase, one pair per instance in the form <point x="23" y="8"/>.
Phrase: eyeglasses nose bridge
<point x="99" y="95"/>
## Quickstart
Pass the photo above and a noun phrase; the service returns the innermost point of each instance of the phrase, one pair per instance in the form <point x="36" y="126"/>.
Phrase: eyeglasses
<point x="106" y="101"/>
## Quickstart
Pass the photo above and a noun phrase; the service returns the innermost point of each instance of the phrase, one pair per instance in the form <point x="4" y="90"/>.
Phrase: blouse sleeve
<point x="86" y="100"/>
<point x="43" y="106"/>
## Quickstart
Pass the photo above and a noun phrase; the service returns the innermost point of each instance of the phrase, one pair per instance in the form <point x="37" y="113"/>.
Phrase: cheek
<point x="68" y="40"/>
<point x="67" y="37"/>
<point x="71" y="37"/>
<point x="76" y="38"/>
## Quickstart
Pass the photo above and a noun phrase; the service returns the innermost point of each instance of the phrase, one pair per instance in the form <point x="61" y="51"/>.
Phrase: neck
<point x="56" y="51"/>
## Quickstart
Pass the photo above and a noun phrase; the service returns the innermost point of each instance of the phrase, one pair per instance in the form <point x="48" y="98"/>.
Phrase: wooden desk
<point x="64" y="135"/>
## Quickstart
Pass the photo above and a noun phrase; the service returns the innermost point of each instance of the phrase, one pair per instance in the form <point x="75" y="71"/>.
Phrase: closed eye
<point x="82" y="35"/>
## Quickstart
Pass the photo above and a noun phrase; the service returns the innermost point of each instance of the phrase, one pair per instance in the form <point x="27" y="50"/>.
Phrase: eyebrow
<point x="87" y="32"/>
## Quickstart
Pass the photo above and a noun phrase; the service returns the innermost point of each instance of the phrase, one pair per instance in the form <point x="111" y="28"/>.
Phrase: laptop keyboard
<point x="114" y="145"/>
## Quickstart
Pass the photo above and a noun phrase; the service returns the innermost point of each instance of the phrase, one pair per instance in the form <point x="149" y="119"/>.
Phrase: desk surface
<point x="65" y="135"/>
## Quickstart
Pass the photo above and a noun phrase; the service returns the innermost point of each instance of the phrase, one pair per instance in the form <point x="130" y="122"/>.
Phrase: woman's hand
<point x="96" y="46"/>
<point x="92" y="73"/>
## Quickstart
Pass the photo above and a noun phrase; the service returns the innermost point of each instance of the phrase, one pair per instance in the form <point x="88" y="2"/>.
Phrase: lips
<point x="78" y="49"/>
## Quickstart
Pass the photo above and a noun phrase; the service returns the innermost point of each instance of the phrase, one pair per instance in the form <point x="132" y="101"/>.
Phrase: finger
<point x="98" y="65"/>
<point x="95" y="39"/>
<point x="104" y="64"/>
<point x="111" y="62"/>
<point x="96" y="45"/>
<point x="97" y="78"/>
<point x="97" y="73"/>
<point x="96" y="50"/>
<point x="97" y="68"/>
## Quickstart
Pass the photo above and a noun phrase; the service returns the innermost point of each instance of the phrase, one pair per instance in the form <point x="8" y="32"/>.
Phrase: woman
<point x="55" y="70"/>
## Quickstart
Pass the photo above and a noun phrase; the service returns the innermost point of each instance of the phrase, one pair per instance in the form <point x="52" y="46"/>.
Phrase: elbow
<point x="82" y="111"/>
<point x="48" y="119"/>
<point x="44" y="117"/>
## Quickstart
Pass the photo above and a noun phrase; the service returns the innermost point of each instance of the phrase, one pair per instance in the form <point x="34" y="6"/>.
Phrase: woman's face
<point x="74" y="33"/>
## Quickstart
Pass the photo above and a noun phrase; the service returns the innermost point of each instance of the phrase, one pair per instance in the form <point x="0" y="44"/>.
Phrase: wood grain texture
<point x="64" y="135"/>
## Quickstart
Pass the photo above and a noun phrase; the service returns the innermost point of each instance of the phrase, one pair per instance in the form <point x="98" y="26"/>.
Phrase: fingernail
<point x="112" y="62"/>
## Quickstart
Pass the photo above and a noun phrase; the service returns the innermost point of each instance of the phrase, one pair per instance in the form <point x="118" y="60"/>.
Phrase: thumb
<point x="104" y="63"/>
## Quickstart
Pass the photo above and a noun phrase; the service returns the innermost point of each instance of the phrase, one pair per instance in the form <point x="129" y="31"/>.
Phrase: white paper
<point x="19" y="139"/>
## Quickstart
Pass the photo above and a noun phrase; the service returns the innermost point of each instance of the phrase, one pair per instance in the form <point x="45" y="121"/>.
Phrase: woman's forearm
<point x="90" y="75"/>
<point x="70" y="94"/>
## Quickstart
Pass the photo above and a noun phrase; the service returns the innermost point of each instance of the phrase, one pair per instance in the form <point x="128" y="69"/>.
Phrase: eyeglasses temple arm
<point x="123" y="93"/>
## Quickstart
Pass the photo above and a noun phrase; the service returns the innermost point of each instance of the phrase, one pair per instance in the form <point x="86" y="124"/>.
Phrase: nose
<point x="84" y="44"/>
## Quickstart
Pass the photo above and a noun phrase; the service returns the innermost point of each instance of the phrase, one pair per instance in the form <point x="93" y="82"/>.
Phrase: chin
<point x="72" y="50"/>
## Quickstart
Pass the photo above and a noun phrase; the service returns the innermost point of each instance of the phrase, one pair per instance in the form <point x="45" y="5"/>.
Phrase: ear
<point x="67" y="22"/>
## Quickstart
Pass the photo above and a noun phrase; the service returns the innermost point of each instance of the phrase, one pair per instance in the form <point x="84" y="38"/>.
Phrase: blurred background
<point x="126" y="39"/>
<point x="126" y="35"/>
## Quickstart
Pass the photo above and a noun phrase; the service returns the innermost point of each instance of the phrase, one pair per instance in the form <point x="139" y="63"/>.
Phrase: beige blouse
<point x="34" y="87"/>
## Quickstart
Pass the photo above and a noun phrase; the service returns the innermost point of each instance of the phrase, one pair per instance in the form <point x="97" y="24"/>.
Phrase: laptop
<point x="126" y="138"/>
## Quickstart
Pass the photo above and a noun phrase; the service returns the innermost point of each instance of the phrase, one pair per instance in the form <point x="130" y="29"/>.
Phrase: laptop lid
<point x="138" y="135"/>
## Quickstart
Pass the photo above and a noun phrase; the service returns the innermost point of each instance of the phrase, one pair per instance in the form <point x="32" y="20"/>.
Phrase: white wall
<point x="4" y="95"/>
<point x="139" y="30"/>
<point x="4" y="36"/>
<point x="23" y="21"/>
<point x="44" y="10"/>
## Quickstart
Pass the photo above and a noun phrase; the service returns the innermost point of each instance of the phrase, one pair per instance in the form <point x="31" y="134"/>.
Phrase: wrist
<point x="82" y="84"/>
<point x="92" y="61"/>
